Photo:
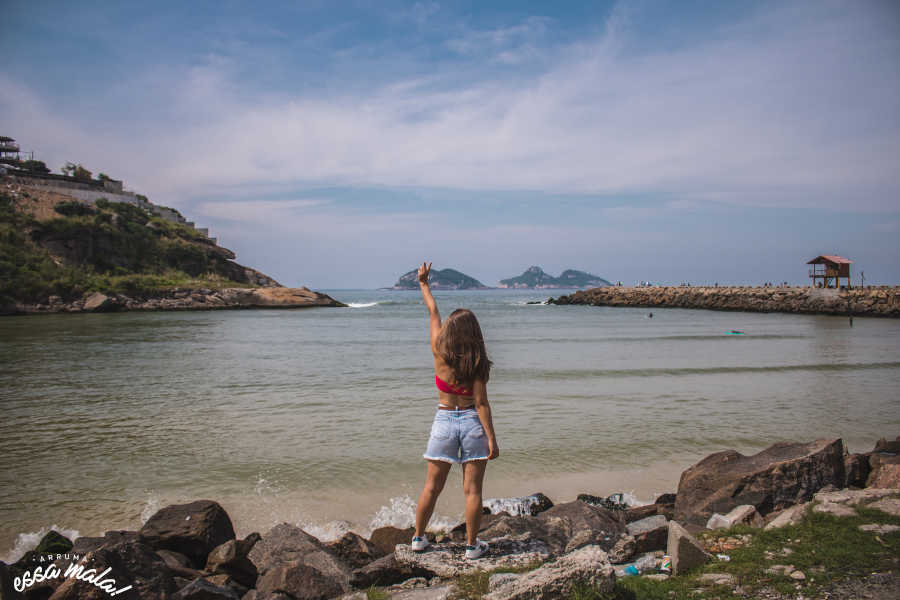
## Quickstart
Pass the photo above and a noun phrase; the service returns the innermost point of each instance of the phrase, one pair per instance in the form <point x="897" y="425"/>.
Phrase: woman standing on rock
<point x="463" y="431"/>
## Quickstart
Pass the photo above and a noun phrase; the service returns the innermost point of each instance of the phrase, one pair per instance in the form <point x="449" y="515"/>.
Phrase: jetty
<point x="871" y="301"/>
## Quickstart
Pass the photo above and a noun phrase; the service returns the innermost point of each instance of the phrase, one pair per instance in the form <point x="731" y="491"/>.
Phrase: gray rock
<point x="685" y="550"/>
<point x="854" y="496"/>
<point x="650" y="534"/>
<point x="889" y="505"/>
<point x="838" y="510"/>
<point x="717" y="579"/>
<point x="299" y="581"/>
<point x="386" y="571"/>
<point x="780" y="476"/>
<point x="231" y="558"/>
<point x="498" y="580"/>
<point x="288" y="548"/>
<point x="564" y="522"/>
<point x="745" y="514"/>
<point x="879" y="529"/>
<point x="386" y="538"/>
<point x="355" y="550"/>
<point x="131" y="562"/>
<point x="448" y="560"/>
<point x="789" y="516"/>
<point x="200" y="589"/>
<point x="192" y="529"/>
<point x="624" y="549"/>
<point x="442" y="592"/>
<point x="557" y="579"/>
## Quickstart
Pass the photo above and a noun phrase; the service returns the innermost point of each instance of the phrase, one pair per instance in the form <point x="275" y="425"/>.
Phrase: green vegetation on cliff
<point x="108" y="246"/>
<point x="446" y="279"/>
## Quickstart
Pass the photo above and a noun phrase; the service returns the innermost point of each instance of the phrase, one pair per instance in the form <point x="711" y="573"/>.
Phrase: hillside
<point x="53" y="245"/>
<point x="444" y="279"/>
<point x="535" y="277"/>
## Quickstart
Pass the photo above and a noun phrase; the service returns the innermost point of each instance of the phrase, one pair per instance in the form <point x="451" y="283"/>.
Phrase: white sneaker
<point x="477" y="551"/>
<point x="419" y="543"/>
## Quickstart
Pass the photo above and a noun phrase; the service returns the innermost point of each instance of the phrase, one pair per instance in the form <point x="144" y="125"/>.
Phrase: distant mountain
<point x="444" y="279"/>
<point x="535" y="277"/>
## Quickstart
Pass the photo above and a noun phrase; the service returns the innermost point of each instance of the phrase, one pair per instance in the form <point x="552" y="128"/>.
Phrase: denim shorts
<point x="457" y="437"/>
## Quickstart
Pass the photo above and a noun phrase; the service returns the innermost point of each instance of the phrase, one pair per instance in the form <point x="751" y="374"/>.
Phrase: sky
<point x="340" y="144"/>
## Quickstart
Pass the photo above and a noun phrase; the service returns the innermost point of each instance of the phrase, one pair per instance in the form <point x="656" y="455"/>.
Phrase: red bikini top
<point x="446" y="387"/>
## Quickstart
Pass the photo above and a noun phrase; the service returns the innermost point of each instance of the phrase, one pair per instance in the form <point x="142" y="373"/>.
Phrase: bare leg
<point x="435" y="477"/>
<point x="473" y="476"/>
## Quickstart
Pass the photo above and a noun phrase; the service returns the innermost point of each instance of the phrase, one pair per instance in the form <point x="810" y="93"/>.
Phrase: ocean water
<point x="319" y="417"/>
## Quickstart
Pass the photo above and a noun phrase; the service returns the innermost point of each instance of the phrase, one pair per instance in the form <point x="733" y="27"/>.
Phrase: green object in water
<point x="734" y="332"/>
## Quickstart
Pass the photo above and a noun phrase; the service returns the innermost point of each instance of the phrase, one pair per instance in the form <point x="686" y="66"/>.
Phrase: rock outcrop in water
<point x="191" y="551"/>
<point x="875" y="302"/>
<point x="183" y="299"/>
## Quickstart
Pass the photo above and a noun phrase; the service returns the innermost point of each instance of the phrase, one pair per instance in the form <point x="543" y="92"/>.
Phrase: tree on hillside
<point x="76" y="171"/>
<point x="35" y="166"/>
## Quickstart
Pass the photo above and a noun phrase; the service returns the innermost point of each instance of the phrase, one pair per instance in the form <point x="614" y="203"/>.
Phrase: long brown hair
<point x="461" y="345"/>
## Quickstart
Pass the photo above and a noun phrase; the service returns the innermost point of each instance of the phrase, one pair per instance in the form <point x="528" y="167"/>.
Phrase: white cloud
<point x="796" y="108"/>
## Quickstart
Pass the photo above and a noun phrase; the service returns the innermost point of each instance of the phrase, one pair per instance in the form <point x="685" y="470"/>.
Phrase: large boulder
<point x="574" y="524"/>
<point x="192" y="529"/>
<point x="649" y="534"/>
<point x="386" y="571"/>
<point x="129" y="563"/>
<point x="287" y="557"/>
<point x="448" y="559"/>
<point x="780" y="476"/>
<point x="231" y="559"/>
<point x="386" y="538"/>
<point x="587" y="566"/>
<point x="200" y="589"/>
<point x="885" y="470"/>
<point x="356" y="551"/>
<point x="83" y="545"/>
<point x="685" y="551"/>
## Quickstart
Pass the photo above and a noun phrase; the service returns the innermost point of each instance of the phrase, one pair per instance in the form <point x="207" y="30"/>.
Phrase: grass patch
<point x="374" y="593"/>
<point x="474" y="585"/>
<point x="825" y="548"/>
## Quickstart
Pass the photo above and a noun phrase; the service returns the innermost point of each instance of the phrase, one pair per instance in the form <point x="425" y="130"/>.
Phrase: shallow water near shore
<point x="319" y="417"/>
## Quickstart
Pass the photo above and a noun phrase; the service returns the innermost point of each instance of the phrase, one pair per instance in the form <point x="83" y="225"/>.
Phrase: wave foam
<point x="402" y="514"/>
<point x="28" y="540"/>
<point x="361" y="304"/>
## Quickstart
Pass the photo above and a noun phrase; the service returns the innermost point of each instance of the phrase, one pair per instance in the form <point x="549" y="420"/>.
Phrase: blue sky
<point x="338" y="144"/>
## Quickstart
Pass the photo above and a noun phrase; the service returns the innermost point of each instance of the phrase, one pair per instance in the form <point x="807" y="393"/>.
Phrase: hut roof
<point x="830" y="258"/>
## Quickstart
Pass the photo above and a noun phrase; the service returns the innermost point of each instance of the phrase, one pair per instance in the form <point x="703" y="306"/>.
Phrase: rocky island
<point x="535" y="278"/>
<point x="75" y="244"/>
<point x="440" y="279"/>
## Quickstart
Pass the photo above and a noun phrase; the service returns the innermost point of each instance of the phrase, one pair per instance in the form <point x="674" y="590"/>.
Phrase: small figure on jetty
<point x="463" y="430"/>
<point x="650" y="316"/>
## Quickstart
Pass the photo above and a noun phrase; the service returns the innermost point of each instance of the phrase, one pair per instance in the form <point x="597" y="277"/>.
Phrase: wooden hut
<point x="830" y="269"/>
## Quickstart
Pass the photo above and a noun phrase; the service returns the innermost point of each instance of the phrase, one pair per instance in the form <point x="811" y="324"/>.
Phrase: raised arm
<point x="484" y="414"/>
<point x="435" y="316"/>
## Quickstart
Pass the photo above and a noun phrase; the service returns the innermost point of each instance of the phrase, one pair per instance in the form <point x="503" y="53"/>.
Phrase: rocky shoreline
<point x="190" y="551"/>
<point x="869" y="302"/>
<point x="181" y="299"/>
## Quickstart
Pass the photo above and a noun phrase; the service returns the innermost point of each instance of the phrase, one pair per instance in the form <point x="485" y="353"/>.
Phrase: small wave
<point x="520" y="506"/>
<point x="568" y="374"/>
<point x="328" y="532"/>
<point x="28" y="540"/>
<point x="402" y="515"/>
<point x="361" y="304"/>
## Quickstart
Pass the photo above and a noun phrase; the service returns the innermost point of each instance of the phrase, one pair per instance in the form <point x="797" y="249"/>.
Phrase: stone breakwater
<point x="190" y="551"/>
<point x="870" y="302"/>
<point x="183" y="299"/>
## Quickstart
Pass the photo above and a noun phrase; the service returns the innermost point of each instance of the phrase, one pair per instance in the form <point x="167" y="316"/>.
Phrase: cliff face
<point x="879" y="302"/>
<point x="52" y="244"/>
